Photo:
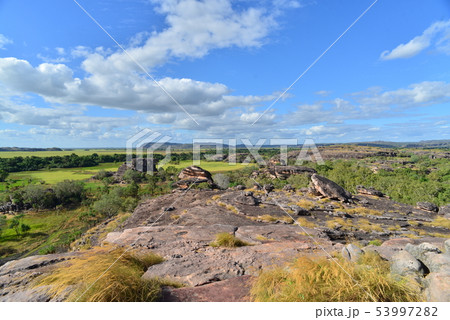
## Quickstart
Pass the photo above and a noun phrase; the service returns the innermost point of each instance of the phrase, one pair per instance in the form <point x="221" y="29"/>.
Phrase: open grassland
<point x="51" y="230"/>
<point x="52" y="176"/>
<point x="211" y="166"/>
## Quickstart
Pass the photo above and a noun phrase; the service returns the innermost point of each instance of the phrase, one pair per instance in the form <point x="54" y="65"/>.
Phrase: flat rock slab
<point x="208" y="264"/>
<point x="233" y="290"/>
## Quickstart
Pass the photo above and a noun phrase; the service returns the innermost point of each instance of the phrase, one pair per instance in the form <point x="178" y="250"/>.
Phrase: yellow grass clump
<point x="363" y="211"/>
<point x="322" y="280"/>
<point x="307" y="204"/>
<point x="225" y="239"/>
<point x="121" y="282"/>
<point x="441" y="222"/>
<point x="306" y="223"/>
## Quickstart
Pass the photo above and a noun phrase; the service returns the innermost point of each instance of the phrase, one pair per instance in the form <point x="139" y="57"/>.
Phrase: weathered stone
<point x="139" y="164"/>
<point x="247" y="199"/>
<point x="329" y="189"/>
<point x="403" y="264"/>
<point x="369" y="191"/>
<point x="427" y="206"/>
<point x="447" y="247"/>
<point x="284" y="172"/>
<point x="299" y="211"/>
<point x="445" y="210"/>
<point x="419" y="251"/>
<point x="232" y="290"/>
<point x="352" y="252"/>
<point x="195" y="172"/>
<point x="437" y="287"/>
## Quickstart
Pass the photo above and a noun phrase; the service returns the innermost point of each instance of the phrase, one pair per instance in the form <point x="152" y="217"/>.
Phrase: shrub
<point x="39" y="197"/>
<point x="3" y="175"/>
<point x="133" y="176"/>
<point x="376" y="242"/>
<point x="102" y="174"/>
<point x="225" y="239"/>
<point x="320" y="280"/>
<point x="122" y="281"/>
<point x="69" y="192"/>
<point x="109" y="205"/>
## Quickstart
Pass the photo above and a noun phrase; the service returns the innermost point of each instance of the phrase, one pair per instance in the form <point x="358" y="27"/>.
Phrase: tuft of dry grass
<point x="225" y="239"/>
<point x="345" y="224"/>
<point x="363" y="211"/>
<point x="232" y="208"/>
<point x="307" y="204"/>
<point x="122" y="282"/>
<point x="320" y="280"/>
<point x="441" y="222"/>
<point x="366" y="225"/>
<point x="268" y="218"/>
<point x="306" y="223"/>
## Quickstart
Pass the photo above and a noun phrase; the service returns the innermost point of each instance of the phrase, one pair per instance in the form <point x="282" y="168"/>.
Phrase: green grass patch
<point x="211" y="166"/>
<point x="51" y="231"/>
<point x="52" y="176"/>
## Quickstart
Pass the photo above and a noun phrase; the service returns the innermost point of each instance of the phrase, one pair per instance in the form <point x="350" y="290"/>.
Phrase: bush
<point x="121" y="283"/>
<point x="3" y="175"/>
<point x="109" y="205"/>
<point x="322" y="280"/>
<point x="102" y="174"/>
<point x="69" y="192"/>
<point x="133" y="176"/>
<point x="39" y="197"/>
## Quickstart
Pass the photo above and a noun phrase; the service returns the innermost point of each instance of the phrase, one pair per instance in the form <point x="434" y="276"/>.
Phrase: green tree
<point x="3" y="175"/>
<point x="69" y="192"/>
<point x="109" y="205"/>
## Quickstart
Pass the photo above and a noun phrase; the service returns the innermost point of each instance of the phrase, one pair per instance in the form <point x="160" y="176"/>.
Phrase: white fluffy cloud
<point x="113" y="80"/>
<point x="438" y="35"/>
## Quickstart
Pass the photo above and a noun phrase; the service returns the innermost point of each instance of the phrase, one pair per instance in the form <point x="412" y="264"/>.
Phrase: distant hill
<point x="28" y="149"/>
<point x="431" y="144"/>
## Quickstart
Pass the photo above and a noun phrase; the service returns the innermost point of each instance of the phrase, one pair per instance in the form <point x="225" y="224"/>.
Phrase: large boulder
<point x="139" y="164"/>
<point x="405" y="264"/>
<point x="352" y="252"/>
<point x="193" y="175"/>
<point x="284" y="172"/>
<point x="369" y="191"/>
<point x="427" y="206"/>
<point x="195" y="172"/>
<point x="329" y="189"/>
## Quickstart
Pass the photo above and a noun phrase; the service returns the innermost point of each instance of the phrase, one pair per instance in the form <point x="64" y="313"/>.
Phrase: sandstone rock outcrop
<point x="369" y="191"/>
<point x="427" y="206"/>
<point x="329" y="189"/>
<point x="193" y="175"/>
<point x="284" y="172"/>
<point x="139" y="164"/>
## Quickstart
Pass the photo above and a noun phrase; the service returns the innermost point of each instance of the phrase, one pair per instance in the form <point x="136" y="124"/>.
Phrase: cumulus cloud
<point x="113" y="80"/>
<point x="437" y="35"/>
<point x="4" y="41"/>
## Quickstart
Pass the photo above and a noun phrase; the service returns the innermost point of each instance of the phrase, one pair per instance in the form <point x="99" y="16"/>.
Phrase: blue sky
<point x="65" y="83"/>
